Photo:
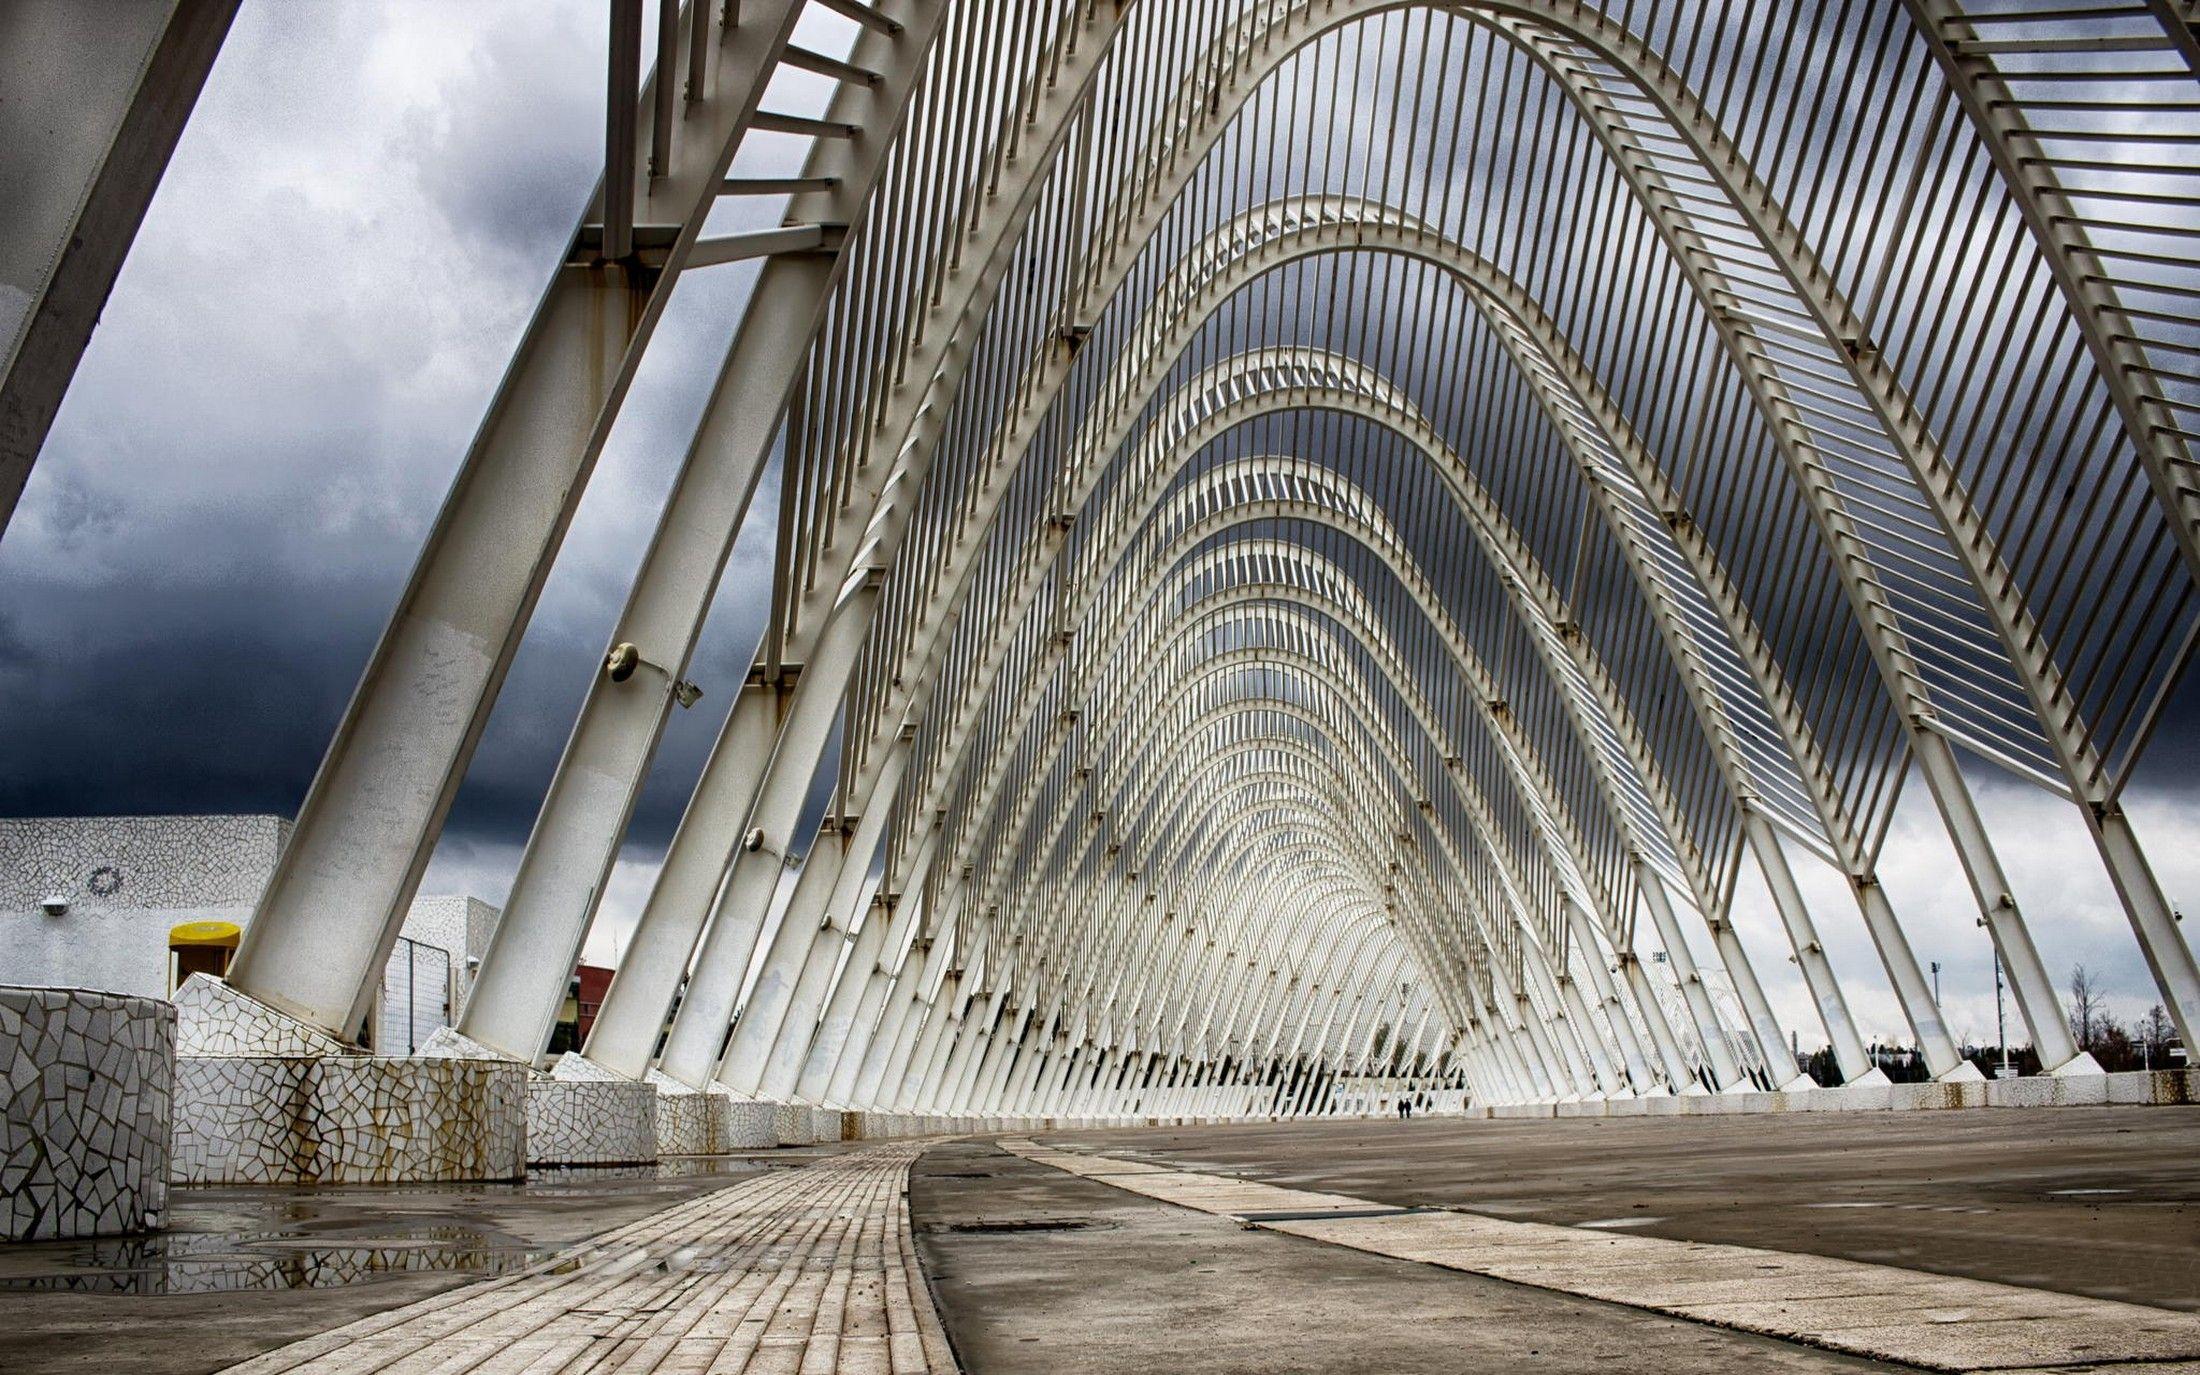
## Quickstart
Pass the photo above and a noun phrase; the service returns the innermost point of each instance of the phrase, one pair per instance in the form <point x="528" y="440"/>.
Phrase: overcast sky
<point x="358" y="220"/>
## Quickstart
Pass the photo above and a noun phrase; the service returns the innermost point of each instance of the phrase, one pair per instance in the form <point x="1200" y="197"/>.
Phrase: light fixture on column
<point x="624" y="657"/>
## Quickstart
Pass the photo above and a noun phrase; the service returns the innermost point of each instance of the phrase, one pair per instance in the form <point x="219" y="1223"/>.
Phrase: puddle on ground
<point x="225" y="1240"/>
<point x="226" y="1262"/>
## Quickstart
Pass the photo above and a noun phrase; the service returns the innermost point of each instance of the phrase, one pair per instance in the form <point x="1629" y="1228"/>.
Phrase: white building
<point x="129" y="904"/>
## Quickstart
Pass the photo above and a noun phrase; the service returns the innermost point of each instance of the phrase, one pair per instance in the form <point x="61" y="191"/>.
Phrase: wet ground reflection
<point x="230" y="1240"/>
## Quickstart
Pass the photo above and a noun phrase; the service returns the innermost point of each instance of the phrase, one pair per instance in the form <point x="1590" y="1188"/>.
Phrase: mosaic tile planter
<point x="349" y="1119"/>
<point x="85" y="1084"/>
<point x="591" y="1122"/>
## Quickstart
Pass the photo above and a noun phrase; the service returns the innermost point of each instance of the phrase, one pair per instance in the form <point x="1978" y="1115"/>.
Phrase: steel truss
<point x="1330" y="531"/>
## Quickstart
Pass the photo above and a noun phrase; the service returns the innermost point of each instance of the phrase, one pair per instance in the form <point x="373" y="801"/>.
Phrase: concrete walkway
<point x="1878" y="1312"/>
<point x="796" y="1272"/>
<point x="1040" y="1272"/>
<point x="2103" y="1202"/>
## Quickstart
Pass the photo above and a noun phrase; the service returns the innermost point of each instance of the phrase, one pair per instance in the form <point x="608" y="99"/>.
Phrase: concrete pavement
<point x="2102" y="1202"/>
<point x="1039" y="1272"/>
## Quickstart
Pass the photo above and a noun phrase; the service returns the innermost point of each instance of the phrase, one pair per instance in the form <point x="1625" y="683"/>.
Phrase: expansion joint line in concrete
<point x="1882" y="1312"/>
<point x="808" y="1270"/>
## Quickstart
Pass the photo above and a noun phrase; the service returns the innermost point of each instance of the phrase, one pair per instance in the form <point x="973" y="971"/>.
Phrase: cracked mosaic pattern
<point x="84" y="1099"/>
<point x="213" y="1018"/>
<point x="447" y="1044"/>
<point x="347" y="1119"/>
<point x="576" y="1068"/>
<point x="751" y="1124"/>
<point x="105" y="863"/>
<point x="690" y="1123"/>
<point x="686" y="1121"/>
<point x="591" y="1122"/>
<point x="792" y="1124"/>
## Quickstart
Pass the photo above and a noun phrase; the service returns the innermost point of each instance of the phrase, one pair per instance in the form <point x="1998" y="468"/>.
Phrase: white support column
<point x="1575" y="1034"/>
<point x="835" y="1025"/>
<point x="2037" y="1002"/>
<point x="1810" y="952"/>
<point x="924" y="1049"/>
<point x="956" y="1029"/>
<point x="714" y="985"/>
<point x="878" y="1084"/>
<point x="1678" y="1074"/>
<point x="584" y="815"/>
<point x="331" y="912"/>
<point x="853" y="1014"/>
<point x="786" y="1033"/>
<point x="655" y="960"/>
<point x="1726" y="1072"/>
<point x="1591" y="955"/>
<point x="989" y="1042"/>
<point x="779" y="1030"/>
<point x="986" y="1090"/>
<point x="97" y="97"/>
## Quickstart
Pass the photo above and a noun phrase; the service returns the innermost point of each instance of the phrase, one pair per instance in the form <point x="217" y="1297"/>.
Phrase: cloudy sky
<point x="359" y="218"/>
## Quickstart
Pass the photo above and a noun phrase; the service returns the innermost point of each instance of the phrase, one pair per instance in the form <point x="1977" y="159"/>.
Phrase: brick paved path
<point x="805" y="1271"/>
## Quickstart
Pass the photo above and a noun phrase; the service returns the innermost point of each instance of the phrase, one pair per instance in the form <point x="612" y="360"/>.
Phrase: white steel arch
<point x="1404" y="489"/>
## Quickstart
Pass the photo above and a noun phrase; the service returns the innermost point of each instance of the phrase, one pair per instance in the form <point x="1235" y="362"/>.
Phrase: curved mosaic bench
<point x="85" y="1084"/>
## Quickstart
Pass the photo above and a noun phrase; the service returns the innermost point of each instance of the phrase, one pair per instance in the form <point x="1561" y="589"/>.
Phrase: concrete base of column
<point x="691" y="1122"/>
<point x="591" y="1122"/>
<point x="2081" y="1063"/>
<point x="214" y="1019"/>
<point x="261" y="1098"/>
<point x="347" y="1119"/>
<point x="85" y="1083"/>
<point x="584" y="1114"/>
<point x="792" y="1125"/>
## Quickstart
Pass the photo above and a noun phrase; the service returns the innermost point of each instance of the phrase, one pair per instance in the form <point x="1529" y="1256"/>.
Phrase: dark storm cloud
<point x="352" y="233"/>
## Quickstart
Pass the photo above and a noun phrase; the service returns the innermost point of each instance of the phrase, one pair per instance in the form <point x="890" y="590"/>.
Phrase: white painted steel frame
<point x="1227" y="703"/>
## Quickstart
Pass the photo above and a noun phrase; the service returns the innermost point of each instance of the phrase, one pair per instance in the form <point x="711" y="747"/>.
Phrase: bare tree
<point x="2088" y="1008"/>
<point x="2156" y="1031"/>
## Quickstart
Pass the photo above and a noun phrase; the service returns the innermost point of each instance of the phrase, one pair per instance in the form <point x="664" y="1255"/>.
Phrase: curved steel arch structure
<point x="1329" y="532"/>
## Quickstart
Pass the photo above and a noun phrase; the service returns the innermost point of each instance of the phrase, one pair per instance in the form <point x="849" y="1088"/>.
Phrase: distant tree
<point x="2088" y="1009"/>
<point x="2113" y="1046"/>
<point x="2156" y="1031"/>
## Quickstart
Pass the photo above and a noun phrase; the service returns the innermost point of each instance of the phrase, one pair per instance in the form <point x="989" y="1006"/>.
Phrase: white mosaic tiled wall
<point x="84" y="1112"/>
<point x="126" y="880"/>
<point x="591" y="1122"/>
<point x="348" y="1120"/>
<point x="708" y="1121"/>
<point x="108" y="863"/>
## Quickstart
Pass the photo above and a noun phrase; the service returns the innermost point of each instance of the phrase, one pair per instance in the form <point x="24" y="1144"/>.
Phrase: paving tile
<point x="805" y="1272"/>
